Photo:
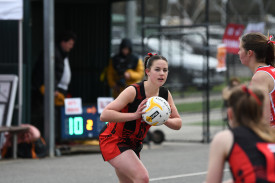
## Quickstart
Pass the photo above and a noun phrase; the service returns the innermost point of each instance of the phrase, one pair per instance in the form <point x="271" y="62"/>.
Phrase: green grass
<point x="218" y="88"/>
<point x="191" y="90"/>
<point x="198" y="106"/>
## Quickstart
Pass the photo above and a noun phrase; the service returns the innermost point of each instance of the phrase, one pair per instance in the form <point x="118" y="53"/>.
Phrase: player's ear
<point x="230" y="116"/>
<point x="250" y="52"/>
<point x="147" y="70"/>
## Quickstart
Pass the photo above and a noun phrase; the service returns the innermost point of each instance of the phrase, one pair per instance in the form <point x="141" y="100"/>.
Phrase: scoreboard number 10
<point x="76" y="126"/>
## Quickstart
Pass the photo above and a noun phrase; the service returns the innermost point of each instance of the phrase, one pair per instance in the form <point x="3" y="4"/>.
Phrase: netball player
<point x="121" y="139"/>
<point x="257" y="53"/>
<point x="248" y="146"/>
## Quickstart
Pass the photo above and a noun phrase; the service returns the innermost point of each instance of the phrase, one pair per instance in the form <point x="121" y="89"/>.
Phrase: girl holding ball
<point x="121" y="139"/>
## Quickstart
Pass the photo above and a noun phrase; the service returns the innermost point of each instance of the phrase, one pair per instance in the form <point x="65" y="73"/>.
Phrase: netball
<point x="157" y="111"/>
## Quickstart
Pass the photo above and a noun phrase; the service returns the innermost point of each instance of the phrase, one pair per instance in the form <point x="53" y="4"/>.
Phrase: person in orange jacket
<point x="124" y="68"/>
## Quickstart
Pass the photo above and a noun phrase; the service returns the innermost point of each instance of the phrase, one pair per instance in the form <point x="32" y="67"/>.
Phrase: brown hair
<point x="234" y="80"/>
<point x="149" y="60"/>
<point x="247" y="105"/>
<point x="263" y="48"/>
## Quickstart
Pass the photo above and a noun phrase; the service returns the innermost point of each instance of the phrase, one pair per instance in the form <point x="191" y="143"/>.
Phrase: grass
<point x="218" y="88"/>
<point x="198" y="106"/>
<point x="191" y="90"/>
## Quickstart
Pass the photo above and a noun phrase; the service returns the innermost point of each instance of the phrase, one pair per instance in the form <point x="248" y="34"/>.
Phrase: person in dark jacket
<point x="62" y="80"/>
<point x="124" y="68"/>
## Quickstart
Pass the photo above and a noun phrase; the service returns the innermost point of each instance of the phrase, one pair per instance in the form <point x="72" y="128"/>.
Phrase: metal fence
<point x="192" y="80"/>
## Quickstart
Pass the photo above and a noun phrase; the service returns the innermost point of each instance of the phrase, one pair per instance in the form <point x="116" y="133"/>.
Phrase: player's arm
<point x="112" y="112"/>
<point x="219" y="150"/>
<point x="174" y="121"/>
<point x="261" y="81"/>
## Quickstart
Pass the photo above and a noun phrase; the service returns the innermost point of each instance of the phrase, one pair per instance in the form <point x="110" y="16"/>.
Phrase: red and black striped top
<point x="131" y="132"/>
<point x="251" y="159"/>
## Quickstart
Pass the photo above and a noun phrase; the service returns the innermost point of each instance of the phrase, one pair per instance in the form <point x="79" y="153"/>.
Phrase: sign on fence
<point x="231" y="37"/>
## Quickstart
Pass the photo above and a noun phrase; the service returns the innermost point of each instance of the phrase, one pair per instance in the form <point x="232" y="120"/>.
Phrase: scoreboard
<point x="81" y="126"/>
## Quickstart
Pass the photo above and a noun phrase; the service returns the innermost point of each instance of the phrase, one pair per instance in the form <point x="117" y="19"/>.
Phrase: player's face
<point x="158" y="72"/>
<point x="67" y="45"/>
<point x="243" y="54"/>
<point x="125" y="51"/>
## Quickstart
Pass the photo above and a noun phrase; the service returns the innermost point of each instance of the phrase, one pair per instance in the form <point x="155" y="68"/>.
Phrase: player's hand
<point x="127" y="75"/>
<point x="141" y="107"/>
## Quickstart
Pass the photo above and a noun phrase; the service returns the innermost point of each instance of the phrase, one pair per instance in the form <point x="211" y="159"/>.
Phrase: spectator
<point x="124" y="68"/>
<point x="249" y="145"/>
<point x="30" y="144"/>
<point x="62" y="80"/>
<point x="234" y="81"/>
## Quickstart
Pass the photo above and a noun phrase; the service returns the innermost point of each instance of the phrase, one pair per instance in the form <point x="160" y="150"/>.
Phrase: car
<point x="197" y="40"/>
<point x="185" y="67"/>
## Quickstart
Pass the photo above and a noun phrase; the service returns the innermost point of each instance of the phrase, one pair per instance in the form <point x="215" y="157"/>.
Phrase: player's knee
<point x="145" y="178"/>
<point x="142" y="177"/>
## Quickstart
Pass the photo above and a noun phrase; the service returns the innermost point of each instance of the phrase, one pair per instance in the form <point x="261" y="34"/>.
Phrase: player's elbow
<point x="175" y="125"/>
<point x="103" y="117"/>
<point x="178" y="125"/>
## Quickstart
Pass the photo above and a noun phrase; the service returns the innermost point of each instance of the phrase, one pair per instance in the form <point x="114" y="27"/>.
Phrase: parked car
<point x="185" y="67"/>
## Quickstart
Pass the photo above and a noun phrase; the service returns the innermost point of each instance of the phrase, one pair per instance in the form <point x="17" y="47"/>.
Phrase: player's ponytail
<point x="247" y="105"/>
<point x="269" y="60"/>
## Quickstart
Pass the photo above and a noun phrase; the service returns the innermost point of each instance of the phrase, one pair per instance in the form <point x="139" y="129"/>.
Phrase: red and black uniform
<point x="270" y="70"/>
<point x="251" y="159"/>
<point x="116" y="138"/>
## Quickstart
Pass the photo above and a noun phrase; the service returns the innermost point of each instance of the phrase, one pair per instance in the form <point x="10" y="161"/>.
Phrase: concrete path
<point x="166" y="163"/>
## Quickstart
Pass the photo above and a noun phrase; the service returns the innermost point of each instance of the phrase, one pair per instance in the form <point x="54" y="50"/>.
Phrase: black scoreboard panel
<point x="82" y="126"/>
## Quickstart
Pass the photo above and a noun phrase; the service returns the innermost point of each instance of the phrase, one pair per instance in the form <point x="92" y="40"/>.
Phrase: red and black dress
<point x="115" y="138"/>
<point x="251" y="159"/>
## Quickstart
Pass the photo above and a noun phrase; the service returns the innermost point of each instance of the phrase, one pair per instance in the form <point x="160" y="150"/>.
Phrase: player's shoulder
<point x="128" y="94"/>
<point x="259" y="76"/>
<point x="263" y="79"/>
<point x="222" y="144"/>
<point x="130" y="89"/>
<point x="223" y="137"/>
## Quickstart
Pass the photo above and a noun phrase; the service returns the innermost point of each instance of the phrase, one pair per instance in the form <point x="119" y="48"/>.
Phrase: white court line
<point x="182" y="175"/>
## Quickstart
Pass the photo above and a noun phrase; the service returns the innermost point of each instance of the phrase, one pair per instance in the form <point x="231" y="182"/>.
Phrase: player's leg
<point x="129" y="167"/>
<point x="122" y="177"/>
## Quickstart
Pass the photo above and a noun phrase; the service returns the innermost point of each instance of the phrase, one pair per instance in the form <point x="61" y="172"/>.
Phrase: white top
<point x="66" y="76"/>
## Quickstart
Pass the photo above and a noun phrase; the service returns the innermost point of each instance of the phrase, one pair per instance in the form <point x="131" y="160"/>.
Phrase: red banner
<point x="231" y="37"/>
